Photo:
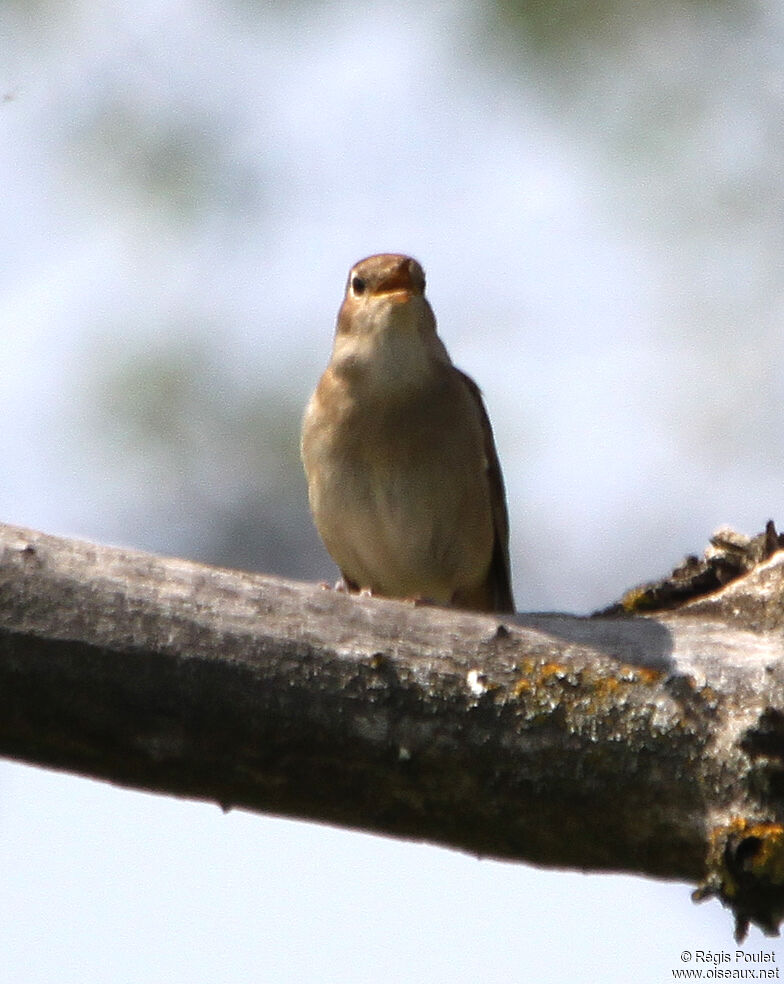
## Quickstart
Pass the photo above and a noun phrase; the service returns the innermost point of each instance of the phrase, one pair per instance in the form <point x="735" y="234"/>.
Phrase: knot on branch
<point x="728" y="556"/>
<point x="746" y="873"/>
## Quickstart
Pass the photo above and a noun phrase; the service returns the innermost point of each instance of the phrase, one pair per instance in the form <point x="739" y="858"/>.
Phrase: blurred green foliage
<point x="552" y="27"/>
<point x="214" y="463"/>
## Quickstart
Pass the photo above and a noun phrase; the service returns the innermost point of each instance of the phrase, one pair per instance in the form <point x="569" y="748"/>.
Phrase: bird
<point x="404" y="482"/>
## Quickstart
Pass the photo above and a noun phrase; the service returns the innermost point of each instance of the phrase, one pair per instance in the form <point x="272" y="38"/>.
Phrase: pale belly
<point x="413" y="523"/>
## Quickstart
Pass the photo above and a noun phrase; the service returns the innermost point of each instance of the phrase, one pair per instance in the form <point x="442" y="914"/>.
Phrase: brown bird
<point x="403" y="477"/>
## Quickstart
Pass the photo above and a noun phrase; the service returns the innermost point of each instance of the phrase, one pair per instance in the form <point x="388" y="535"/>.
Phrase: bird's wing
<point x="500" y="577"/>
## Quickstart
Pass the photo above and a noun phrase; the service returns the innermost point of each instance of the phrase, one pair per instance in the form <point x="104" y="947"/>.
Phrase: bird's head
<point x="385" y="317"/>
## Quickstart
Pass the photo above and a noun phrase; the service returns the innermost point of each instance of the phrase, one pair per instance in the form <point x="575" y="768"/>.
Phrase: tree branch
<point x="652" y="744"/>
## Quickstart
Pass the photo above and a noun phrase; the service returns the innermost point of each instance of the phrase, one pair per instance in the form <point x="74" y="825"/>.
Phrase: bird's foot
<point x="348" y="587"/>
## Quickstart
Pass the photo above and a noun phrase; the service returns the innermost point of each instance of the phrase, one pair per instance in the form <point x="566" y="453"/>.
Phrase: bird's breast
<point x="398" y="487"/>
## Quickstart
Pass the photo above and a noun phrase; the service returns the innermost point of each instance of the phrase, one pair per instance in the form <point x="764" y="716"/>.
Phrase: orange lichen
<point x="522" y="686"/>
<point x="768" y="859"/>
<point x="763" y="860"/>
<point x="605" y="686"/>
<point x="601" y="684"/>
<point x="644" y="674"/>
<point x="552" y="670"/>
<point x="637" y="600"/>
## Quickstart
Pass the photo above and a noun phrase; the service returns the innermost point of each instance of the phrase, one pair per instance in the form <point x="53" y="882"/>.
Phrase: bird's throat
<point x="391" y="360"/>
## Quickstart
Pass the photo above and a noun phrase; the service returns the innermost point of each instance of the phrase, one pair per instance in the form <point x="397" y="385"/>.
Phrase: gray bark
<point x="652" y="744"/>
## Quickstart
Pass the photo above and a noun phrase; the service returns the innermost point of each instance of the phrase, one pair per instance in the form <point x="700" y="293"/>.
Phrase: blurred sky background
<point x="596" y="191"/>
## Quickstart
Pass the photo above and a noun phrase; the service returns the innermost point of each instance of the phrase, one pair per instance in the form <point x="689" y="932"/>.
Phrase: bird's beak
<point x="397" y="282"/>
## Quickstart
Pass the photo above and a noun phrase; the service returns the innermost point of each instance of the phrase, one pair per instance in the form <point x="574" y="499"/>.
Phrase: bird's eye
<point x="358" y="285"/>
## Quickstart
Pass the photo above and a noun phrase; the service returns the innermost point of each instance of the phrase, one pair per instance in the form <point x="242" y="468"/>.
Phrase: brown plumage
<point x="403" y="477"/>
